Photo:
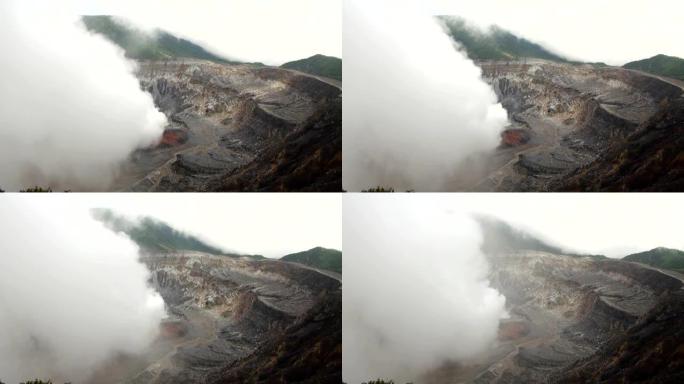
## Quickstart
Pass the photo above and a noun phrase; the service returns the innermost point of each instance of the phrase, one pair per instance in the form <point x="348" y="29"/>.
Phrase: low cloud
<point x="71" y="109"/>
<point x="416" y="291"/>
<point x="72" y="293"/>
<point x="415" y="106"/>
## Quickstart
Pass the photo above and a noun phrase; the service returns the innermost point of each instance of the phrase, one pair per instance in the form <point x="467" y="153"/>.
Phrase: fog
<point x="610" y="224"/>
<point x="415" y="107"/>
<point x="610" y="31"/>
<point x="70" y="108"/>
<point x="72" y="293"/>
<point x="272" y="224"/>
<point x="416" y="293"/>
<point x="269" y="31"/>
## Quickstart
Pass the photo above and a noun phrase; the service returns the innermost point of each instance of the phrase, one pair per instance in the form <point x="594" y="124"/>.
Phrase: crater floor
<point x="563" y="117"/>
<point x="225" y="119"/>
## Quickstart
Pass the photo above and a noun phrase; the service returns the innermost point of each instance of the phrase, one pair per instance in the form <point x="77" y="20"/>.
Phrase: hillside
<point x="648" y="159"/>
<point x="141" y="45"/>
<point x="665" y="258"/>
<point x="494" y="43"/>
<point x="153" y="235"/>
<point x="661" y="65"/>
<point x="319" y="65"/>
<point x="321" y="258"/>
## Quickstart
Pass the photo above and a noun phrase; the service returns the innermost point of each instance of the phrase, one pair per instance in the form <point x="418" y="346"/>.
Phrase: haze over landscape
<point x="591" y="106"/>
<point x="494" y="290"/>
<point x="296" y="222"/>
<point x="171" y="96"/>
<point x="69" y="119"/>
<point x="614" y="32"/>
<point x="268" y="31"/>
<point x="73" y="294"/>
<point x="404" y="88"/>
<point x="169" y="288"/>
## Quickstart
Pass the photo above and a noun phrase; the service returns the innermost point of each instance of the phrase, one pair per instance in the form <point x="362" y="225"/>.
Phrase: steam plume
<point x="416" y="293"/>
<point x="72" y="292"/>
<point x="414" y="106"/>
<point x="70" y="108"/>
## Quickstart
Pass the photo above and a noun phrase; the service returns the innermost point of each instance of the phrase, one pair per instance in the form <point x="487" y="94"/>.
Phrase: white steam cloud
<point x="70" y="108"/>
<point x="72" y="293"/>
<point x="415" y="107"/>
<point x="416" y="292"/>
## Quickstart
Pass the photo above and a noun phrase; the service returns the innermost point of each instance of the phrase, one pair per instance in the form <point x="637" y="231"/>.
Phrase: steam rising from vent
<point x="72" y="293"/>
<point x="70" y="108"/>
<point x="415" y="107"/>
<point x="416" y="293"/>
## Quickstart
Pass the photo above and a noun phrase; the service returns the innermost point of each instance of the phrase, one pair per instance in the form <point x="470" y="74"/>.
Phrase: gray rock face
<point x="223" y="310"/>
<point x="227" y="115"/>
<point x="570" y="306"/>
<point x="571" y="114"/>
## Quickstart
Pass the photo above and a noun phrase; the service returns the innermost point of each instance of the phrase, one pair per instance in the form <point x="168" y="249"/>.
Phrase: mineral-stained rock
<point x="239" y="127"/>
<point x="514" y="137"/>
<point x="238" y="320"/>
<point x="651" y="351"/>
<point x="575" y="319"/>
<point x="585" y="128"/>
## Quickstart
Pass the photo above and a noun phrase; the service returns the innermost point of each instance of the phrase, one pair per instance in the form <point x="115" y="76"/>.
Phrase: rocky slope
<point x="238" y="127"/>
<point x="237" y="320"/>
<point x="578" y="319"/>
<point x="651" y="159"/>
<point x="649" y="352"/>
<point x="581" y="127"/>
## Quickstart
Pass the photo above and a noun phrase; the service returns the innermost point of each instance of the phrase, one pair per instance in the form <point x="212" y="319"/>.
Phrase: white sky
<point x="611" y="224"/>
<point x="272" y="225"/>
<point x="270" y="31"/>
<point x="612" y="31"/>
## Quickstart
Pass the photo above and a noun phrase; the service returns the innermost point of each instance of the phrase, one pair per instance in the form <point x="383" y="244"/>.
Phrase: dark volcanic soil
<point x="239" y="128"/>
<point x="238" y="320"/>
<point x="579" y="319"/>
<point x="578" y="127"/>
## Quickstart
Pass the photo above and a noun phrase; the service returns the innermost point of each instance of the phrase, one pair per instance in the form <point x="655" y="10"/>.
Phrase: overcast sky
<point x="612" y="31"/>
<point x="611" y="224"/>
<point x="270" y="31"/>
<point x="272" y="225"/>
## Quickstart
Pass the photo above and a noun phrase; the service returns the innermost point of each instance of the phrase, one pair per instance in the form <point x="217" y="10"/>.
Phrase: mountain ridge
<point x="153" y="235"/>
<point x="140" y="45"/>
<point x="495" y="43"/>
<point x="661" y="65"/>
<point x="318" y="257"/>
<point x="318" y="65"/>
<point x="660" y="257"/>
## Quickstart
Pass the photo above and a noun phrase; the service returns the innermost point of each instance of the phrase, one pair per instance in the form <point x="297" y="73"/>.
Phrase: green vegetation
<point x="37" y="189"/>
<point x="36" y="381"/>
<point x="379" y="189"/>
<point x="495" y="43"/>
<point x="153" y="235"/>
<point x="141" y="45"/>
<point x="321" y="258"/>
<point x="661" y="65"/>
<point x="665" y="258"/>
<point x="500" y="237"/>
<point x="318" y="65"/>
